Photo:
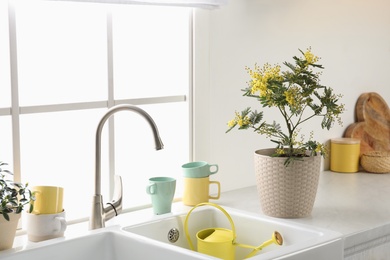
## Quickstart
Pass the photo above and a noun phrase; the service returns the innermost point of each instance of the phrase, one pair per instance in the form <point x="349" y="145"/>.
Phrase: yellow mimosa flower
<point x="261" y="78"/>
<point x="232" y="123"/>
<point x="310" y="57"/>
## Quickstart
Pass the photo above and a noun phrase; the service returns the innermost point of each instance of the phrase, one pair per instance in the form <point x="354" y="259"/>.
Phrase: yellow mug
<point x="196" y="190"/>
<point x="48" y="199"/>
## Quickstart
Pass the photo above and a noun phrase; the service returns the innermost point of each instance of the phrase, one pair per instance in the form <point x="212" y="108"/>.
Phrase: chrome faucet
<point x="101" y="214"/>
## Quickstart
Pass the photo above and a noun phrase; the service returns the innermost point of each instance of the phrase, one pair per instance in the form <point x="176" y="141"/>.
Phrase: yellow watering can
<point x="220" y="242"/>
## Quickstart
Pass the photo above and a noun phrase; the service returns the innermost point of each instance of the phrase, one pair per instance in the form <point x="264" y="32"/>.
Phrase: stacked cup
<point x="47" y="220"/>
<point x="197" y="182"/>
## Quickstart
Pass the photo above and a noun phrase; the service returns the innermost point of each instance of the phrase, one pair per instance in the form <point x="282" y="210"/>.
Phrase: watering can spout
<point x="276" y="239"/>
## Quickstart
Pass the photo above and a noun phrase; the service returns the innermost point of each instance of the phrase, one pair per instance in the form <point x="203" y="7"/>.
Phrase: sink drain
<point x="173" y="235"/>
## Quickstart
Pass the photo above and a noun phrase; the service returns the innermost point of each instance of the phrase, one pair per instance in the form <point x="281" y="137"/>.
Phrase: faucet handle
<point x="118" y="193"/>
<point x="115" y="206"/>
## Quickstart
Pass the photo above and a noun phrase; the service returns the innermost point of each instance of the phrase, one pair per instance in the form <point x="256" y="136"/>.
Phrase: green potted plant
<point x="299" y="97"/>
<point x="13" y="198"/>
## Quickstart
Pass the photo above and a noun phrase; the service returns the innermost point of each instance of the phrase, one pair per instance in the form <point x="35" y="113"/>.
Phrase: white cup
<point x="45" y="226"/>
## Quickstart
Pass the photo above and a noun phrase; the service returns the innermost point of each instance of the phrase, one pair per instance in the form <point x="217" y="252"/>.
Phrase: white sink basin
<point x="104" y="244"/>
<point x="300" y="241"/>
<point x="147" y="239"/>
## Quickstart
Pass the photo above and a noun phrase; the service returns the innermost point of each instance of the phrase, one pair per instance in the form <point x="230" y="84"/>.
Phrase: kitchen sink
<point x="299" y="241"/>
<point x="142" y="235"/>
<point x="104" y="244"/>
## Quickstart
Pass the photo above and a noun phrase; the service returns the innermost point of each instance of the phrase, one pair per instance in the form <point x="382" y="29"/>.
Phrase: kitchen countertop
<point x="354" y="204"/>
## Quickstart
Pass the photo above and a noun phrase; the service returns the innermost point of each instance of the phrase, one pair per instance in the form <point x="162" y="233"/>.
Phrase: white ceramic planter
<point x="8" y="230"/>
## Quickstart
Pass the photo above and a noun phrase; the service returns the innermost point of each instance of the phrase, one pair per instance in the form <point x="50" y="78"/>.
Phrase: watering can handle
<point x="206" y="204"/>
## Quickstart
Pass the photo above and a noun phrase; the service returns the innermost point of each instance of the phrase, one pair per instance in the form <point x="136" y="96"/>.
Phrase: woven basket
<point x="376" y="161"/>
<point x="286" y="192"/>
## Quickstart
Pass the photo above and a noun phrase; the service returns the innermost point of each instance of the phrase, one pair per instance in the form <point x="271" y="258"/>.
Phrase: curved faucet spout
<point x="100" y="214"/>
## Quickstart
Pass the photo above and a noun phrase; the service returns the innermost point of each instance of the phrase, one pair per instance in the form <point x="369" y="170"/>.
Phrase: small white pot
<point x="8" y="230"/>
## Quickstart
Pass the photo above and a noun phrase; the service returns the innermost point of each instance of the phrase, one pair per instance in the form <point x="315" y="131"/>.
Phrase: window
<point x="74" y="60"/>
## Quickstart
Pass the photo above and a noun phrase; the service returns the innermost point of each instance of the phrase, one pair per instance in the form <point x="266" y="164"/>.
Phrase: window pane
<point x="5" y="89"/>
<point x="6" y="141"/>
<point x="58" y="149"/>
<point x="150" y="51"/>
<point x="61" y="52"/>
<point x="136" y="157"/>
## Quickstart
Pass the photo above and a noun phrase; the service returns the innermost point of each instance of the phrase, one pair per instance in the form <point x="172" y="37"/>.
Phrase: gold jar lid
<point x="345" y="140"/>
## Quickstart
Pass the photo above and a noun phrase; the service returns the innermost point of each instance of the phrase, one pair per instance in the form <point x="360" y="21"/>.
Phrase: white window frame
<point x="16" y="110"/>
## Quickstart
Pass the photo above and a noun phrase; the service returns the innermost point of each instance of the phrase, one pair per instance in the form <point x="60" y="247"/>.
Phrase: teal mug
<point x="162" y="191"/>
<point x="199" y="169"/>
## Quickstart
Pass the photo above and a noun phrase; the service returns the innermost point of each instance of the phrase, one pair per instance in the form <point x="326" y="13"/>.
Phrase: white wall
<point x="351" y="36"/>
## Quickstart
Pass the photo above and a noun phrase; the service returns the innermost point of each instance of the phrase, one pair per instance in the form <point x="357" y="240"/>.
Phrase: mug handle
<point x="63" y="225"/>
<point x="216" y="168"/>
<point x="35" y="211"/>
<point x="151" y="189"/>
<point x="219" y="190"/>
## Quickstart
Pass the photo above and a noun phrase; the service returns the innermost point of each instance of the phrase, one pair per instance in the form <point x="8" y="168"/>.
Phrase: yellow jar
<point x="344" y="154"/>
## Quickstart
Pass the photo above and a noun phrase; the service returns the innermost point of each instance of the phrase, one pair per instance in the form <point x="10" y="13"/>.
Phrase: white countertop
<point x="345" y="202"/>
<point x="354" y="204"/>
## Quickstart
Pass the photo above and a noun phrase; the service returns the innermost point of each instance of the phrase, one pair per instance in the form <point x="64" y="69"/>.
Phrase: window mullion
<point x="111" y="102"/>
<point x="191" y="86"/>
<point x="14" y="93"/>
<point x="110" y="66"/>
